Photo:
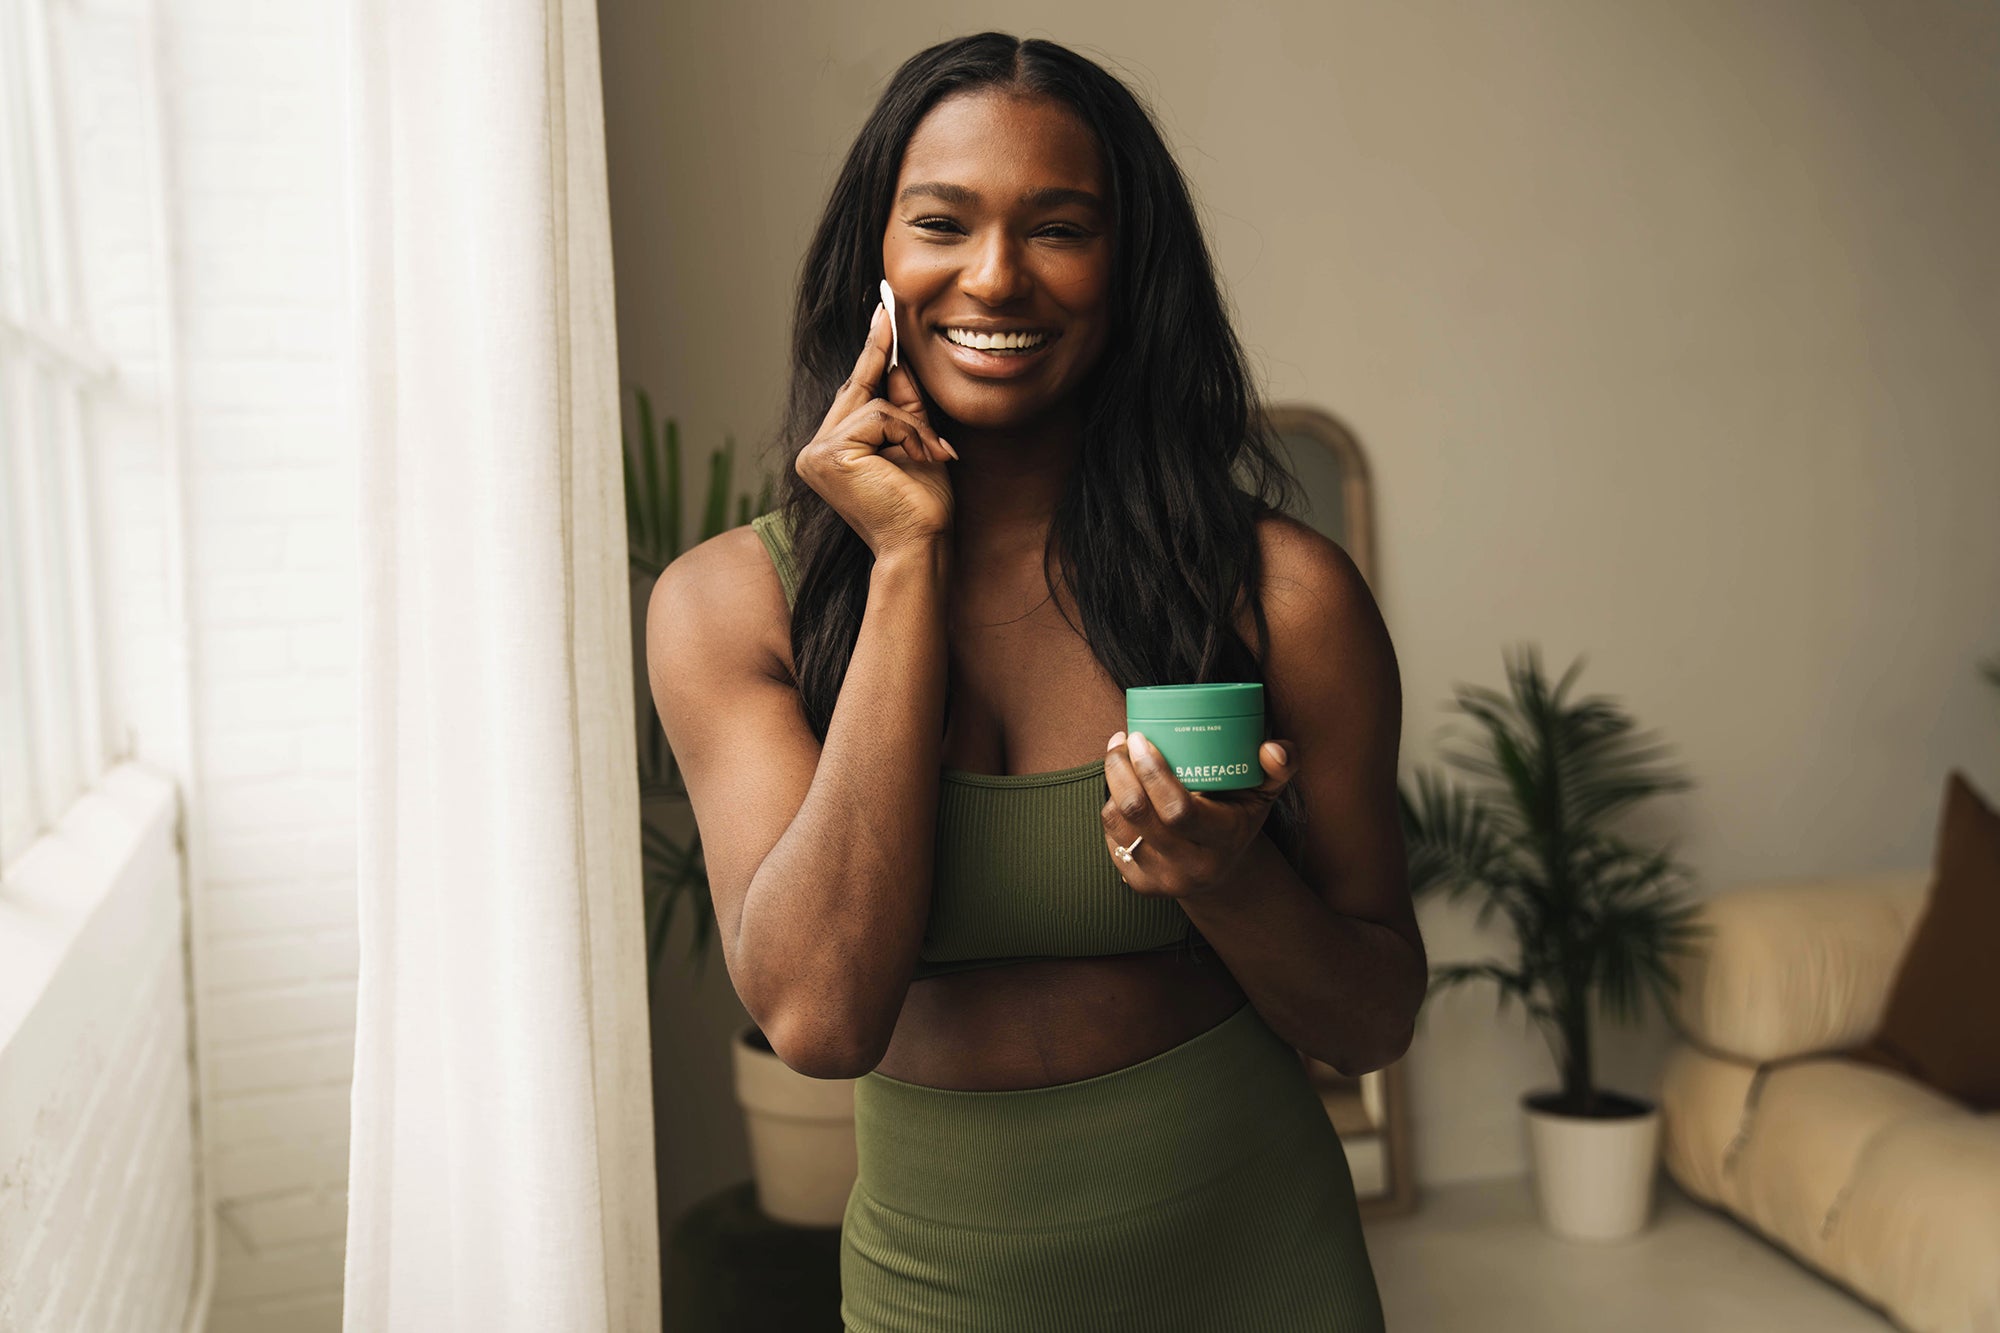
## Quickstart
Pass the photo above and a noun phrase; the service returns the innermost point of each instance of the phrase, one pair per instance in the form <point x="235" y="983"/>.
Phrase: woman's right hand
<point x="876" y="459"/>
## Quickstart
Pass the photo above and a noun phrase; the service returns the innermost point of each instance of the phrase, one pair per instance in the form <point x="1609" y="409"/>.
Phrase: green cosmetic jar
<point x="1208" y="733"/>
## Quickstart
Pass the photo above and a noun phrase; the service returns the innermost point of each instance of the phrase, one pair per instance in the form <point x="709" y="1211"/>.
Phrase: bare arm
<point x="819" y="858"/>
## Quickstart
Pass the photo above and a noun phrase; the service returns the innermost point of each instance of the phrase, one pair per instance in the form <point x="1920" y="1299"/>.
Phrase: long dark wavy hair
<point x="1155" y="532"/>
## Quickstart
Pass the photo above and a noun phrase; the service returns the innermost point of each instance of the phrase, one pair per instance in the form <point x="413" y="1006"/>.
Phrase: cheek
<point x="1079" y="288"/>
<point x="1088" y="349"/>
<point x="1087" y="301"/>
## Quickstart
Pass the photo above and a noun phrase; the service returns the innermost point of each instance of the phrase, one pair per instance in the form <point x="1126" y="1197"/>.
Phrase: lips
<point x="995" y="365"/>
<point x="1044" y="334"/>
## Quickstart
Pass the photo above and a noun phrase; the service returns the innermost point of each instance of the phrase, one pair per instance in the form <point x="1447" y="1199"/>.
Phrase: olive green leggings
<point x="1203" y="1189"/>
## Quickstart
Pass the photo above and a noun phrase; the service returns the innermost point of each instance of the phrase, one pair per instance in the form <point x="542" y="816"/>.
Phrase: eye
<point x="1062" y="230"/>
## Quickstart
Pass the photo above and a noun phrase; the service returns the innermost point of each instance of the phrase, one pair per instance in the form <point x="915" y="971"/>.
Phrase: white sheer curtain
<point x="501" y="1170"/>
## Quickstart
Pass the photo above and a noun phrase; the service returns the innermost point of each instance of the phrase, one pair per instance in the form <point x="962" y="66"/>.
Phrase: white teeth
<point x="990" y="341"/>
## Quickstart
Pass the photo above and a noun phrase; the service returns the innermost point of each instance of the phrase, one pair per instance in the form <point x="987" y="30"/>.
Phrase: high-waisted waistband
<point x="1076" y="1153"/>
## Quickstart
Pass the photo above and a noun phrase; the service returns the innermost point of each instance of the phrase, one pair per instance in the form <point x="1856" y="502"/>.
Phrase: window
<point x="52" y="715"/>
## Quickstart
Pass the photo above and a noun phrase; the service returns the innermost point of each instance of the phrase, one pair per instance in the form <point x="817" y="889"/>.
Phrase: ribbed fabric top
<point x="1022" y="870"/>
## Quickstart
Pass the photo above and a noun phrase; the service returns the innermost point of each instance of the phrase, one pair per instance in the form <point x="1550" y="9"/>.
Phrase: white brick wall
<point x="257" y="279"/>
<point x="257" y="149"/>
<point x="254" y="204"/>
<point x="97" y="1223"/>
<point x="98" y="1220"/>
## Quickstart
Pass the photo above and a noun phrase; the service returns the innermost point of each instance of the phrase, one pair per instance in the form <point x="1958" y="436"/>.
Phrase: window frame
<point x="54" y="713"/>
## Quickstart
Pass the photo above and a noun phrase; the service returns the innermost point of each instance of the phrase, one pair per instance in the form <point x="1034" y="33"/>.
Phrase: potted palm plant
<point x="800" y="1129"/>
<point x="673" y="869"/>
<point x="1596" y="921"/>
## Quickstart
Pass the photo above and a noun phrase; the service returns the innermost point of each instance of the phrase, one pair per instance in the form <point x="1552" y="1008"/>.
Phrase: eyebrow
<point x="1049" y="196"/>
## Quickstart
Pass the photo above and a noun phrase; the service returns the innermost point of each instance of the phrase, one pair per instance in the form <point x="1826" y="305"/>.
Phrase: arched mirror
<point x="1369" y="1112"/>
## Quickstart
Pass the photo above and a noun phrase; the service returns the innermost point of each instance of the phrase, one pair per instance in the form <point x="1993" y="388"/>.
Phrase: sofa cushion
<point x="1806" y="1125"/>
<point x="1938" y="1025"/>
<point x="1702" y="1099"/>
<point x="1918" y="1231"/>
<point x="1796" y="967"/>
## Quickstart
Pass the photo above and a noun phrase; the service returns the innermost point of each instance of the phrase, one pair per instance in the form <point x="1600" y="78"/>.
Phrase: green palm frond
<point x="1514" y="986"/>
<point x="659" y="544"/>
<point x="1593" y="918"/>
<point x="1631" y="935"/>
<point x="1448" y="835"/>
<point x="1561" y="766"/>
<point x="671" y="870"/>
<point x="635" y="517"/>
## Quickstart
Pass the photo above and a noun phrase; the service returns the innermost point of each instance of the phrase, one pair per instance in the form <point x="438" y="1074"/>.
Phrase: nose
<point x="994" y="275"/>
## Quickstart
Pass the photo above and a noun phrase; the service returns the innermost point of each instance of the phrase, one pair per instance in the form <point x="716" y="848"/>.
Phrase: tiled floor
<point x="1473" y="1258"/>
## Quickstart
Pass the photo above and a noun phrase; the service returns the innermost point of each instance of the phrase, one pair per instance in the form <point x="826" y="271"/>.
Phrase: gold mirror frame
<point x="1370" y="1113"/>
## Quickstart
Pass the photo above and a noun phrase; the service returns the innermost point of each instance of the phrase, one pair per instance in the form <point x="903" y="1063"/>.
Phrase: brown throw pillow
<point x="1942" y="1022"/>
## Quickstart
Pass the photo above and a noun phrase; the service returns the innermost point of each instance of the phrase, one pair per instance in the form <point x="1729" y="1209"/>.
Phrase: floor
<point x="1475" y="1257"/>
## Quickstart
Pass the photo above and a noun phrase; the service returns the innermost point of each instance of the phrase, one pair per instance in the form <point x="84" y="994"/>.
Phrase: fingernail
<point x="947" y="446"/>
<point x="1113" y="743"/>
<point x="1284" y="755"/>
<point x="875" y="320"/>
<point x="1139" y="742"/>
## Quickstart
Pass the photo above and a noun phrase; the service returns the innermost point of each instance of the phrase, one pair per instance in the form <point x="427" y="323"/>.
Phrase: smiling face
<point x="1001" y="221"/>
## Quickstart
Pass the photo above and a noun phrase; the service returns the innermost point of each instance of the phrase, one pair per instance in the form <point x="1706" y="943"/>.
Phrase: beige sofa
<point x="1888" y="1188"/>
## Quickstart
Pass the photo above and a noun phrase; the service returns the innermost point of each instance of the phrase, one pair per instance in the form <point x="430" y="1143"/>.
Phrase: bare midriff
<point x="1045" y="1021"/>
<point x="1040" y="1022"/>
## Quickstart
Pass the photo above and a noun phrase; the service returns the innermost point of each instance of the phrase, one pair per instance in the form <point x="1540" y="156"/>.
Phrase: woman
<point x="1069" y="990"/>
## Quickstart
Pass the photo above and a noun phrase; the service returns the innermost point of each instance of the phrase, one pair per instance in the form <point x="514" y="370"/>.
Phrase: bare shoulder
<point x="1329" y="649"/>
<point x="1334" y="692"/>
<point x="720" y="602"/>
<point x="715" y="625"/>
<point x="1308" y="577"/>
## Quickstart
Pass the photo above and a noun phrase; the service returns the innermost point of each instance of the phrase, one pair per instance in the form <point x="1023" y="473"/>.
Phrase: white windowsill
<point x="59" y="885"/>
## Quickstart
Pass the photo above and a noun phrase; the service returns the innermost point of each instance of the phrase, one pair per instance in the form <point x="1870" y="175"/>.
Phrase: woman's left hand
<point x="1193" y="840"/>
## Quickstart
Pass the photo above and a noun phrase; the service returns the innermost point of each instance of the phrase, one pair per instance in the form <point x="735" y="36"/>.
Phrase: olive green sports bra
<point x="1022" y="870"/>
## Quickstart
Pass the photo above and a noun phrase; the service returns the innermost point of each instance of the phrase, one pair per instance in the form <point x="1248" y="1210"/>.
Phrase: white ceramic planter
<point x="801" y="1135"/>
<point x="1594" y="1176"/>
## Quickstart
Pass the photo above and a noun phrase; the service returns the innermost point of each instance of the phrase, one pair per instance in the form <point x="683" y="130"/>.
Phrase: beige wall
<point x="1670" y="330"/>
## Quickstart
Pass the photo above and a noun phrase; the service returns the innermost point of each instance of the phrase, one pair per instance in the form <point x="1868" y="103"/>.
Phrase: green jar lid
<point x="1215" y="699"/>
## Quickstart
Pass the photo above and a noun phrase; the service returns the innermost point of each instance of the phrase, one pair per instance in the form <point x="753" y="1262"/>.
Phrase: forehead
<point x="1001" y="144"/>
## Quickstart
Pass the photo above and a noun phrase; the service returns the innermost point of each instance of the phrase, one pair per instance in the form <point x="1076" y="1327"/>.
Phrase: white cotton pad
<point x="889" y="304"/>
